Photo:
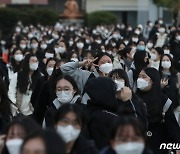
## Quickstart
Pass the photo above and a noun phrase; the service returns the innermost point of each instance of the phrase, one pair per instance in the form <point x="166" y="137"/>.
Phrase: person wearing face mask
<point x="149" y="45"/>
<point x="66" y="92"/>
<point x="141" y="60"/>
<point x="15" y="64"/>
<point x="169" y="79"/>
<point x="20" y="127"/>
<point x="40" y="142"/>
<point x="155" y="57"/>
<point x="60" y="50"/>
<point x="161" y="37"/>
<point x="118" y="62"/>
<point x="23" y="44"/>
<point x="128" y="56"/>
<point x="141" y="46"/>
<point x="47" y="93"/>
<point x="127" y="100"/>
<point x="126" y="137"/>
<point x="102" y="111"/>
<point x="69" y="123"/>
<point x="80" y="49"/>
<point x="162" y="126"/>
<point x="23" y="84"/>
<point x="102" y="66"/>
<point x="49" y="70"/>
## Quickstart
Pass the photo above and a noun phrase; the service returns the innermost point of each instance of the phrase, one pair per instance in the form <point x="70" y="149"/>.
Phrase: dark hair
<point x="125" y="51"/>
<point x="171" y="69"/>
<point x="23" y="76"/>
<point x="159" y="50"/>
<point x="153" y="97"/>
<point x="50" y="59"/>
<point x="52" y="141"/>
<point x="66" y="108"/>
<point x="71" y="80"/>
<point x="5" y="110"/>
<point x="120" y="123"/>
<point x="122" y="74"/>
<point x="100" y="55"/>
<point x="27" y="123"/>
<point x="139" y="63"/>
<point x="16" y="67"/>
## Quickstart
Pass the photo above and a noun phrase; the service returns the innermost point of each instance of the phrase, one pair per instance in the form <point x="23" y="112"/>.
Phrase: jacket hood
<point x="102" y="92"/>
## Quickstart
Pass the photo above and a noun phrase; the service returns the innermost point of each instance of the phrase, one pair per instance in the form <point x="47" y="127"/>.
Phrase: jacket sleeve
<point x="79" y="75"/>
<point x="13" y="89"/>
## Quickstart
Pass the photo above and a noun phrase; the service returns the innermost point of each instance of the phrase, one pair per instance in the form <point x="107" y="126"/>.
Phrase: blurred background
<point x="47" y="12"/>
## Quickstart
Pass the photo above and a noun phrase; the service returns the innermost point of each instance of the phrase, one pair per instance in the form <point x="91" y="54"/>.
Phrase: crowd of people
<point x="76" y="90"/>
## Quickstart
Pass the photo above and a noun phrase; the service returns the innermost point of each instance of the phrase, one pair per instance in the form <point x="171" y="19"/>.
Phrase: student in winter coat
<point x="126" y="137"/>
<point x="127" y="100"/>
<point x="69" y="123"/>
<point x="169" y="80"/>
<point x="47" y="94"/>
<point x="162" y="126"/>
<point x="101" y="108"/>
<point x="49" y="69"/>
<point x="67" y="92"/>
<point x="23" y="83"/>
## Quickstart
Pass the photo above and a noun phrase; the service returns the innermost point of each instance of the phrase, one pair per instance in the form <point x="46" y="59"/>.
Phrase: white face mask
<point x="14" y="146"/>
<point x="49" y="70"/>
<point x="74" y="59"/>
<point x="68" y="133"/>
<point x="135" y="39"/>
<point x="166" y="64"/>
<point x="120" y="84"/>
<point x="178" y="38"/>
<point x="126" y="42"/>
<point x="18" y="57"/>
<point x="109" y="52"/>
<point x="137" y="32"/>
<point x="33" y="66"/>
<point x="55" y="36"/>
<point x="161" y="30"/>
<point x="60" y="50"/>
<point x="153" y="56"/>
<point x="43" y="46"/>
<point x="149" y="45"/>
<point x="166" y="51"/>
<point x="80" y="45"/>
<point x="64" y="96"/>
<point x="49" y="55"/>
<point x="22" y="46"/>
<point x="34" y="45"/>
<point x="129" y="148"/>
<point x="71" y="43"/>
<point x="106" y="68"/>
<point x="98" y="41"/>
<point x="141" y="83"/>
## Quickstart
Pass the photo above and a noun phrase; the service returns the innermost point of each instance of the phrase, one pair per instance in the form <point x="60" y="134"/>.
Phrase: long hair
<point x="152" y="98"/>
<point x="16" y="67"/>
<point x="23" y="76"/>
<point x="139" y="63"/>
